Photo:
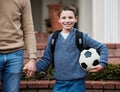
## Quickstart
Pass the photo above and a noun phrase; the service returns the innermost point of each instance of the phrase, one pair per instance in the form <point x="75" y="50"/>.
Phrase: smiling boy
<point x="69" y="76"/>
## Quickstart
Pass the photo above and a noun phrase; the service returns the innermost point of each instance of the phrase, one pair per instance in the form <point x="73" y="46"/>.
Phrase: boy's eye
<point x="63" y="17"/>
<point x="70" y="17"/>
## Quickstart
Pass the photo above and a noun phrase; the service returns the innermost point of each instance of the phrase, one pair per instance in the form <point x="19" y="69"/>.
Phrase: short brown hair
<point x="67" y="7"/>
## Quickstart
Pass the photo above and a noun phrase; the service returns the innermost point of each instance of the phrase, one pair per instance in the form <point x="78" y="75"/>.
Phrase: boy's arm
<point x="47" y="58"/>
<point x="36" y="66"/>
<point x="102" y="50"/>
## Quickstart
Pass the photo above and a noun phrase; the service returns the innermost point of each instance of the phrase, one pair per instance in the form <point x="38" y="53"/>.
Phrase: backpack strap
<point x="79" y="40"/>
<point x="54" y="39"/>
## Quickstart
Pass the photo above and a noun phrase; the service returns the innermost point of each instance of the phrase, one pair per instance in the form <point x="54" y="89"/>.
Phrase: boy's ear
<point x="58" y="19"/>
<point x="76" y="18"/>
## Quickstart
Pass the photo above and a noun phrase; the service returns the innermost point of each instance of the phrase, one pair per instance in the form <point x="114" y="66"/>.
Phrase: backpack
<point x="78" y="39"/>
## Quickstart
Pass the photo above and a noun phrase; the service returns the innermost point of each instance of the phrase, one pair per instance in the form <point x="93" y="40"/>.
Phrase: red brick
<point x="41" y="45"/>
<point x="113" y="46"/>
<point x="117" y="84"/>
<point x="23" y="84"/>
<point x="52" y="83"/>
<point x="112" y="53"/>
<point x="89" y="84"/>
<point x="42" y="37"/>
<point x="118" y="45"/>
<point x="117" y="52"/>
<point x="44" y="84"/>
<point x="114" y="60"/>
<point x="98" y="84"/>
<point x="109" y="85"/>
<point x="32" y="84"/>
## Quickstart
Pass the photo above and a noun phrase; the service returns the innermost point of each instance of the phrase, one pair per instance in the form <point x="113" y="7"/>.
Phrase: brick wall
<point x="91" y="86"/>
<point x="114" y="53"/>
<point x="46" y="86"/>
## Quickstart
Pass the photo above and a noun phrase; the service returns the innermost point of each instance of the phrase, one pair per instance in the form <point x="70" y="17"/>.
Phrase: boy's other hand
<point x="97" y="68"/>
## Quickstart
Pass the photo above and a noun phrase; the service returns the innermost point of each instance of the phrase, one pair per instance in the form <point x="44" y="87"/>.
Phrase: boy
<point x="70" y="77"/>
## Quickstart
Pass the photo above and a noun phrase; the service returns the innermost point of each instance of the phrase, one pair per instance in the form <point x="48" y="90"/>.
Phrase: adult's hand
<point x="30" y="68"/>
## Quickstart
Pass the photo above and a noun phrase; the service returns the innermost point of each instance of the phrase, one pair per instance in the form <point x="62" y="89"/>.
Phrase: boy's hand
<point x="96" y="68"/>
<point x="30" y="68"/>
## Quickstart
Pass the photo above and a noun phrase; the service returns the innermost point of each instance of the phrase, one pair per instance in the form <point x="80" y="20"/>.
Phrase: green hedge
<point x="111" y="72"/>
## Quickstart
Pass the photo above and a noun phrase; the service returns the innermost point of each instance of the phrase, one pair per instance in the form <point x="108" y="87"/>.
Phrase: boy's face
<point x="67" y="19"/>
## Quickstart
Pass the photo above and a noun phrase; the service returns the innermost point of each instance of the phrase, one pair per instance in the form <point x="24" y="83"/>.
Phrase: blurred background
<point x="99" y="18"/>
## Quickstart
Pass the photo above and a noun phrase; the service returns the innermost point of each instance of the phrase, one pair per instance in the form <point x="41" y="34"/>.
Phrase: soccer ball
<point x="89" y="58"/>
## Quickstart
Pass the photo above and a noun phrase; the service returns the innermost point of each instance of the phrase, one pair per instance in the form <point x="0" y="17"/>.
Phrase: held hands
<point x="30" y="68"/>
<point x="96" y="68"/>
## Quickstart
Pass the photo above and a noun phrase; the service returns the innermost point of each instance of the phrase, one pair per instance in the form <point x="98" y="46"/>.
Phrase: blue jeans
<point x="70" y="86"/>
<point x="10" y="69"/>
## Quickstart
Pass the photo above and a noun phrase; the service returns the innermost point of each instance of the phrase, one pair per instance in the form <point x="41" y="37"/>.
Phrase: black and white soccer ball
<point x="89" y="58"/>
